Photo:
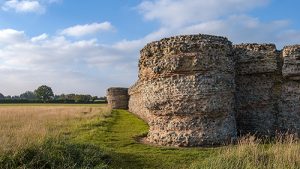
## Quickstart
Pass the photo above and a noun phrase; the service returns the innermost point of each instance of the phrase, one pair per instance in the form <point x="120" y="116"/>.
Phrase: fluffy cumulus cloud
<point x="219" y="17"/>
<point x="82" y="66"/>
<point x="181" y="12"/>
<point x="87" y="29"/>
<point x="27" y="6"/>
<point x="243" y="29"/>
<point x="10" y="36"/>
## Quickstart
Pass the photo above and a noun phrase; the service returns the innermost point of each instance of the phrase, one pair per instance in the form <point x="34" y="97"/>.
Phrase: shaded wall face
<point x="186" y="91"/>
<point x="289" y="116"/>
<point x="258" y="88"/>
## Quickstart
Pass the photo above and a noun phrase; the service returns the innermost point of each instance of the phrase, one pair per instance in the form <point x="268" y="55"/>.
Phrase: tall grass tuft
<point x="251" y="152"/>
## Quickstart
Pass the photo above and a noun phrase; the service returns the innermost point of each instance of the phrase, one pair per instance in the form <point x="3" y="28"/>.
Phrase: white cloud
<point x="174" y="13"/>
<point x="292" y="35"/>
<point x="242" y="29"/>
<point x="87" y="29"/>
<point x="27" y="6"/>
<point x="39" y="38"/>
<point x="218" y="17"/>
<point x="80" y="66"/>
<point x="23" y="6"/>
<point x="88" y="66"/>
<point x="9" y="36"/>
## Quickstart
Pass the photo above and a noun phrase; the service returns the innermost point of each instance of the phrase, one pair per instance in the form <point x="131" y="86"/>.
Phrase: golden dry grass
<point x="251" y="152"/>
<point x="23" y="126"/>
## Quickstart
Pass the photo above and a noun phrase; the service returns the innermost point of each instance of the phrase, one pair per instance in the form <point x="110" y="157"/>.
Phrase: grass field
<point x="91" y="136"/>
<point x="38" y="136"/>
<point x="22" y="126"/>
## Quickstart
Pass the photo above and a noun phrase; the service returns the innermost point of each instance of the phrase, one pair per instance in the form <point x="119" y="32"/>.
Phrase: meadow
<point x="37" y="136"/>
<point x="92" y="136"/>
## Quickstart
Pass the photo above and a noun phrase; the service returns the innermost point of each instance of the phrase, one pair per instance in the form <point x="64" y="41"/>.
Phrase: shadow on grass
<point x="129" y="161"/>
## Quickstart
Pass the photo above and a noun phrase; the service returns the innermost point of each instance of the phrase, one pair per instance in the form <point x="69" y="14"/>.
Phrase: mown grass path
<point x="115" y="134"/>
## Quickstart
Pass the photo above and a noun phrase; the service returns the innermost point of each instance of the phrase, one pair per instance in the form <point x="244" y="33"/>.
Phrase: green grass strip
<point x="116" y="135"/>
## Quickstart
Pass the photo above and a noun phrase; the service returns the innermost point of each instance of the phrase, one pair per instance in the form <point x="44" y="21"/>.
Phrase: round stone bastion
<point x="117" y="97"/>
<point x="185" y="91"/>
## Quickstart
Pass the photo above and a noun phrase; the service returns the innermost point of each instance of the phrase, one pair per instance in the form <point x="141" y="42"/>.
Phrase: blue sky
<point x="88" y="46"/>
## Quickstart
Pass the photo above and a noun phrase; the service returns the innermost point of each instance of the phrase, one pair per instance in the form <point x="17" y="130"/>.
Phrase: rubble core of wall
<point x="117" y="97"/>
<point x="258" y="88"/>
<point x="186" y="90"/>
<point x="289" y="117"/>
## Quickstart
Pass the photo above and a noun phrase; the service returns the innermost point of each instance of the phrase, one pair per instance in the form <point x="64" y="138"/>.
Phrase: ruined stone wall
<point x="289" y="116"/>
<point x="200" y="90"/>
<point x="117" y="98"/>
<point x="258" y="88"/>
<point x="186" y="90"/>
<point x="136" y="101"/>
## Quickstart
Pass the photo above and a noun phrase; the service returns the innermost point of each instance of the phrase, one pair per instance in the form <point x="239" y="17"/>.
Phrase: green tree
<point x="1" y="96"/>
<point x="44" y="93"/>
<point x="29" y="95"/>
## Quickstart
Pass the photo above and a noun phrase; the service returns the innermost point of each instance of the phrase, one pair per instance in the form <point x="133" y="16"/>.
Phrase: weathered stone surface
<point x="200" y="90"/>
<point x="136" y="101"/>
<point x="117" y="97"/>
<point x="258" y="87"/>
<point x="186" y="90"/>
<point x="291" y="66"/>
<point x="289" y="116"/>
<point x="256" y="59"/>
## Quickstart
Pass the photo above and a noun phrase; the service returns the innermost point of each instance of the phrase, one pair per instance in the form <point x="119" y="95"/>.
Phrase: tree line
<point x="44" y="94"/>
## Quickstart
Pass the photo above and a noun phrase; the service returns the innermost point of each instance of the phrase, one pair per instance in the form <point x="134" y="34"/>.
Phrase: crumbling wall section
<point x="258" y="88"/>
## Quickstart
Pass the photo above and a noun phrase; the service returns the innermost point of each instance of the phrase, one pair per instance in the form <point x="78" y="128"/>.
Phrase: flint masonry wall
<point x="186" y="90"/>
<point x="117" y="97"/>
<point x="258" y="88"/>
<point x="289" y="116"/>
<point x="200" y="90"/>
<point x="137" y="100"/>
